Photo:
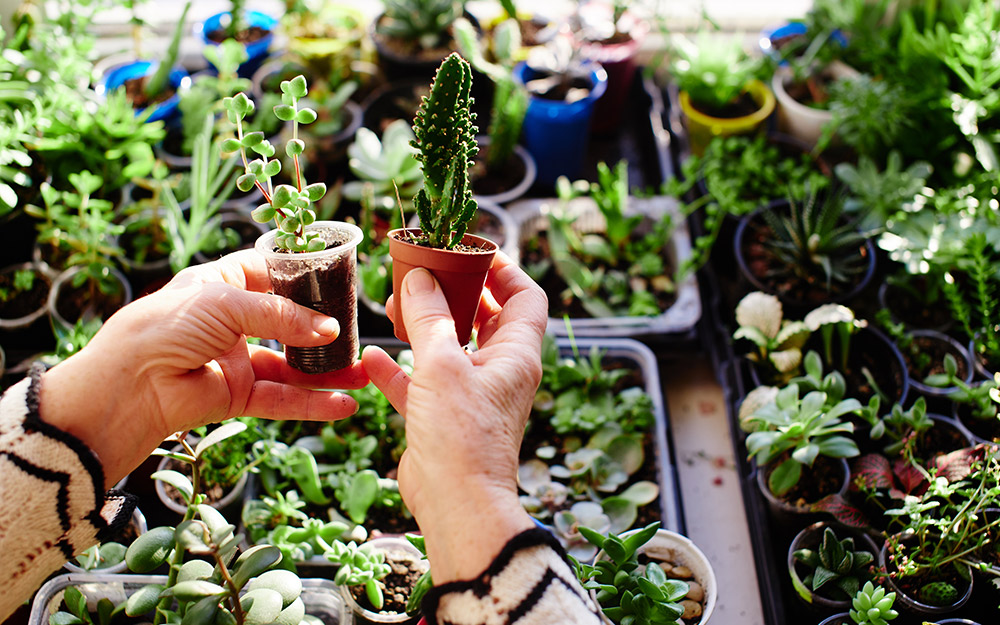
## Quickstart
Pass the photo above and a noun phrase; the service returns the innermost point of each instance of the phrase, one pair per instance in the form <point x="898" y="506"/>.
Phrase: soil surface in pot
<point x="872" y="355"/>
<point x="146" y="243"/>
<point x="338" y="279"/>
<point x="824" y="478"/>
<point x="935" y="350"/>
<point x="79" y="302"/>
<point x="422" y="242"/>
<point x="742" y="106"/>
<point x="406" y="569"/>
<point x="247" y="35"/>
<point x="552" y="87"/>
<point x="940" y="439"/>
<point x="985" y="428"/>
<point x="911" y="585"/>
<point x="765" y="266"/>
<point x="812" y="91"/>
<point x="135" y="89"/>
<point x="212" y="492"/>
<point x="913" y="311"/>
<point x="17" y="304"/>
<point x="496" y="180"/>
<point x="561" y="301"/>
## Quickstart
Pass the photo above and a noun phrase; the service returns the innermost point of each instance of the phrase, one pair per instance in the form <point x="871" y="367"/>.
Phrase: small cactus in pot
<point x="445" y="140"/>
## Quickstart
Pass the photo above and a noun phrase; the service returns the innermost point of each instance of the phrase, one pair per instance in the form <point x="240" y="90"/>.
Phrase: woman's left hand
<point x="178" y="358"/>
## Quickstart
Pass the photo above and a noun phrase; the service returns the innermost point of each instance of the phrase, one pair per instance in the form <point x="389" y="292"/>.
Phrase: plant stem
<point x="234" y="592"/>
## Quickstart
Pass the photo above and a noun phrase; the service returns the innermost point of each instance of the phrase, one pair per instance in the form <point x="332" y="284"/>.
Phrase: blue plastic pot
<point x="556" y="133"/>
<point x="256" y="51"/>
<point x="166" y="110"/>
<point x="789" y="29"/>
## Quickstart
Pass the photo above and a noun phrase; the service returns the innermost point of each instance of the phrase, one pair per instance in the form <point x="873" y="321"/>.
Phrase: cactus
<point x="446" y="141"/>
<point x="938" y="593"/>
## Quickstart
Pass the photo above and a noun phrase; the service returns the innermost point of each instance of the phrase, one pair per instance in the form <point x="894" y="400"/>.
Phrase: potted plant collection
<point x="817" y="218"/>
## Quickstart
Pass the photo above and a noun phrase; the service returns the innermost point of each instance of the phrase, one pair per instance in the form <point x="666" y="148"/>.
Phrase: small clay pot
<point x="461" y="274"/>
<point x="325" y="281"/>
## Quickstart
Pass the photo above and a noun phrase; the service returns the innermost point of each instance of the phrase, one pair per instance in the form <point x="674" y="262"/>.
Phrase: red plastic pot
<point x="460" y="273"/>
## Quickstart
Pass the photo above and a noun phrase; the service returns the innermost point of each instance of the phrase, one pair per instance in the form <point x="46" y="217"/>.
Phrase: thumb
<point x="425" y="312"/>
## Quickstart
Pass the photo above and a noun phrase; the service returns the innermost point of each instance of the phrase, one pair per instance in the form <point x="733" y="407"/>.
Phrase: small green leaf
<point x="251" y="139"/>
<point x="194" y="590"/>
<point x="297" y="87"/>
<point x="195" y="569"/>
<point x="273" y="168"/>
<point x="230" y="145"/>
<point x="285" y="583"/>
<point x="221" y="433"/>
<point x="202" y="613"/>
<point x="282" y="195"/>
<point x="192" y="536"/>
<point x="255" y="561"/>
<point x="246" y="182"/>
<point x="150" y="550"/>
<point x="262" y="606"/>
<point x="143" y="600"/>
<point x="263" y="213"/>
<point x="242" y="105"/>
<point x="284" y="112"/>
<point x="305" y="116"/>
<point x="178" y="481"/>
<point x="295" y="147"/>
<point x="315" y="192"/>
<point x="316" y="245"/>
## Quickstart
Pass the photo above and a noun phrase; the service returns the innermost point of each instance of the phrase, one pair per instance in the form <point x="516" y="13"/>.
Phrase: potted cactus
<point x="444" y="205"/>
<point x="413" y="36"/>
<point x="313" y="263"/>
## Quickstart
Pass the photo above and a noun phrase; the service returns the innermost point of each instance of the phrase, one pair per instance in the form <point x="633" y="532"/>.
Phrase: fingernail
<point x="326" y="325"/>
<point x="419" y="281"/>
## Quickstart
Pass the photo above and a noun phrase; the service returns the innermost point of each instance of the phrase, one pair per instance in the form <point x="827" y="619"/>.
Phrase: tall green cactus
<point x="446" y="141"/>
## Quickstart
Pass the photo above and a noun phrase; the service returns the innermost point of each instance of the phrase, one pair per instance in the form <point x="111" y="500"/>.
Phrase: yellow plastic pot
<point x="702" y="128"/>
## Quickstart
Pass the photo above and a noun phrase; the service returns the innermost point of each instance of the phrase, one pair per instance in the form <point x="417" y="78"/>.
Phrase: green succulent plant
<point x="778" y="341"/>
<point x="836" y="568"/>
<point x="360" y="566"/>
<point x="446" y="143"/>
<point x="872" y="606"/>
<point x="425" y="23"/>
<point x="389" y="165"/>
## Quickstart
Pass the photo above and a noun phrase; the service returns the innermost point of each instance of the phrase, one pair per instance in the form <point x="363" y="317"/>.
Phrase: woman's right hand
<point x="465" y="415"/>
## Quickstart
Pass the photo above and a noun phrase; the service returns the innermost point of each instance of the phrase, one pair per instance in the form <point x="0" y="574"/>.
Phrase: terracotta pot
<point x="461" y="275"/>
<point x="325" y="281"/>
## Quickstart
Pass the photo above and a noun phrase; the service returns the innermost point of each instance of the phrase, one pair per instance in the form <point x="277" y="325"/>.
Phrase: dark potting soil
<point x="406" y="570"/>
<point x="558" y="91"/>
<point x="985" y="428"/>
<point x="767" y="269"/>
<point x="740" y="107"/>
<point x="940" y="439"/>
<point x="811" y="92"/>
<point x="561" y="302"/>
<point x="422" y="242"/>
<point x="79" y="302"/>
<point x="936" y="350"/>
<point x="824" y="478"/>
<point x="247" y="35"/>
<point x="530" y="32"/>
<point x="328" y="286"/>
<point x="496" y="180"/>
<point x="135" y="89"/>
<point x="23" y="303"/>
<point x="874" y="356"/>
<point x="212" y="492"/>
<point x="388" y="521"/>
<point x="411" y="49"/>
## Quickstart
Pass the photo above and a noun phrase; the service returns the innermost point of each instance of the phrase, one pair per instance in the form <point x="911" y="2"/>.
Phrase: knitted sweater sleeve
<point x="529" y="583"/>
<point x="52" y="499"/>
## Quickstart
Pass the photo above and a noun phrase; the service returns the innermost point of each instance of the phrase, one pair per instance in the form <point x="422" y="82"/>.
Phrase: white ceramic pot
<point x="794" y="118"/>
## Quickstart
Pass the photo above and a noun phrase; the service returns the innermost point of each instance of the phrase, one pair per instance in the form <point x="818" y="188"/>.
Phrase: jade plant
<point x="446" y="142"/>
<point x="289" y="205"/>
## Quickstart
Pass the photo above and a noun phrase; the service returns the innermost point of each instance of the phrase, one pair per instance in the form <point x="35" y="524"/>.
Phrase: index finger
<point x="507" y="279"/>
<point x="245" y="269"/>
<point x="523" y="313"/>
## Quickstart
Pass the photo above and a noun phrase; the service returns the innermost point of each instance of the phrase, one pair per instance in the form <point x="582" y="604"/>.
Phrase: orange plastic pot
<point x="460" y="273"/>
<point x="703" y="128"/>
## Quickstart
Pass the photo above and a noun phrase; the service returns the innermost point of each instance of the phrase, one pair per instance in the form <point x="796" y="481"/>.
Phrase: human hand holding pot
<point x="178" y="358"/>
<point x="465" y="415"/>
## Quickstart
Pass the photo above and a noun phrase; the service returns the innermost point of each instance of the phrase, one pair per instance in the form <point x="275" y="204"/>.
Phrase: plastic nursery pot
<point x="165" y="110"/>
<point x="555" y="132"/>
<point x="68" y="303"/>
<point x="398" y="550"/>
<point x="402" y="61"/>
<point x="940" y="344"/>
<point x="509" y="184"/>
<point x="212" y="33"/>
<point x="678" y="550"/>
<point x="138" y="527"/>
<point x="810" y="538"/>
<point x="22" y="315"/>
<point x="906" y="602"/>
<point x="617" y="57"/>
<point x="799" y="120"/>
<point x="325" y="281"/>
<point x="791" y="513"/>
<point x="772" y="39"/>
<point x="229" y="503"/>
<point x="702" y="127"/>
<point x="461" y="274"/>
<point x="320" y="596"/>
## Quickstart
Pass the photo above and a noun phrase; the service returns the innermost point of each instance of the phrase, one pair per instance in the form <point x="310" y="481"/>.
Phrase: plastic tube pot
<point x="396" y="549"/>
<point x="555" y="132"/>
<point x="461" y="273"/>
<point x="325" y="281"/>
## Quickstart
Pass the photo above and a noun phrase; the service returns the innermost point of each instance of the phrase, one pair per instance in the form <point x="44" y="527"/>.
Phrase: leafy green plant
<point x="835" y="569"/>
<point x="869" y="115"/>
<point x="389" y="165"/>
<point x="978" y="397"/>
<point x="794" y="431"/>
<point x="970" y="290"/>
<point x="207" y="91"/>
<point x="424" y="24"/>
<point x="872" y="606"/>
<point x="158" y="81"/>
<point x="102" y="556"/>
<point x="289" y="206"/>
<point x="881" y="195"/>
<point x="778" y="341"/>
<point x="360" y="566"/>
<point x="22" y="281"/>
<point x="626" y="592"/>
<point x="815" y="242"/>
<point x="445" y="150"/>
<point x="713" y="70"/>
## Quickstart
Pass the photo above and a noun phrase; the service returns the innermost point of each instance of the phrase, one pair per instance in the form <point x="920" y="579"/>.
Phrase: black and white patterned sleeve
<point x="52" y="499"/>
<point x="529" y="583"/>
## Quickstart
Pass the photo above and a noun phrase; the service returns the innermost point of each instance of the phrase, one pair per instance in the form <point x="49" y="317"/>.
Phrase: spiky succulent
<point x="836" y="566"/>
<point x="424" y="22"/>
<point x="446" y="141"/>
